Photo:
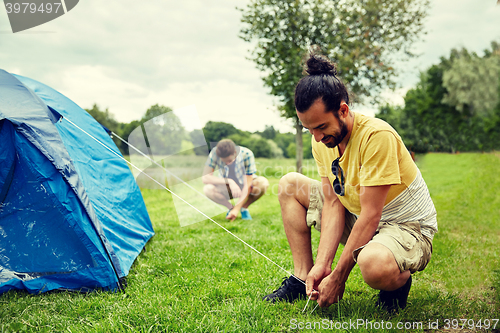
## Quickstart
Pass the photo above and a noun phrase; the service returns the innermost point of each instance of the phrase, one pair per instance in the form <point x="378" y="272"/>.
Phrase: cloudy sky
<point x="128" y="55"/>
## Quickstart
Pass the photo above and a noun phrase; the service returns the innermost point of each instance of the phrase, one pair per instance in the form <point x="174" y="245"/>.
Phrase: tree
<point x="198" y="138"/>
<point x="163" y="130"/>
<point x="258" y="145"/>
<point x="276" y="151"/>
<point x="160" y="132"/>
<point x="291" y="150"/>
<point x="283" y="140"/>
<point x="106" y="119"/>
<point x="363" y="37"/>
<point x="306" y="147"/>
<point x="472" y="82"/>
<point x="126" y="129"/>
<point x="269" y="132"/>
<point x="155" y="111"/>
<point x="440" y="114"/>
<point x="216" y="130"/>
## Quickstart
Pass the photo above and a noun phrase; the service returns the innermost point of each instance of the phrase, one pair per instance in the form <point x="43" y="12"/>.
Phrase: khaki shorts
<point x="226" y="191"/>
<point x="410" y="248"/>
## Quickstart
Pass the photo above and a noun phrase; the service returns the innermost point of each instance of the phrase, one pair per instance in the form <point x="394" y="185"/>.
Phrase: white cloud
<point x="237" y="103"/>
<point x="230" y="102"/>
<point x="453" y="24"/>
<point x="87" y="84"/>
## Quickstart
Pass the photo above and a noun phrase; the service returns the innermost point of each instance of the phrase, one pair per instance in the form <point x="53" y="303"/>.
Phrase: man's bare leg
<point x="380" y="271"/>
<point x="294" y="189"/>
<point x="259" y="188"/>
<point x="379" y="268"/>
<point x="212" y="192"/>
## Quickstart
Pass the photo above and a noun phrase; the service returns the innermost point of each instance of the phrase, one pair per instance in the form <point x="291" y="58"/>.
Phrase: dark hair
<point x="225" y="148"/>
<point x="321" y="82"/>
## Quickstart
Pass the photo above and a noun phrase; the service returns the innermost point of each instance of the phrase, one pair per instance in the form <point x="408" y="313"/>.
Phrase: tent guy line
<point x="161" y="166"/>
<point x="305" y="307"/>
<point x="171" y="192"/>
<point x="185" y="183"/>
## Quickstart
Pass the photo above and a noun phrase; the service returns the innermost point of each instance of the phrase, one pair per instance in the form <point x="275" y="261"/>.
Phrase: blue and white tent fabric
<point x="71" y="214"/>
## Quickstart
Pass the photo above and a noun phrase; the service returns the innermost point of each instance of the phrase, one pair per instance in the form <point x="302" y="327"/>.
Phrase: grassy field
<point x="199" y="278"/>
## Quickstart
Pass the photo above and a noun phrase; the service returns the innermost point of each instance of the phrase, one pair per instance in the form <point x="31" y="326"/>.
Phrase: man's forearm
<point x="361" y="234"/>
<point x="245" y="192"/>
<point x="332" y="227"/>
<point x="211" y="179"/>
<point x="372" y="200"/>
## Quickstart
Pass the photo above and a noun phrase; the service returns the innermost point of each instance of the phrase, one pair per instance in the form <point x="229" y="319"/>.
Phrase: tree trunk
<point x="299" y="153"/>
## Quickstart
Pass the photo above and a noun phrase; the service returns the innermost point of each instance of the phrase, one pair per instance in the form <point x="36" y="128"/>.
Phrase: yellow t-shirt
<point x="375" y="155"/>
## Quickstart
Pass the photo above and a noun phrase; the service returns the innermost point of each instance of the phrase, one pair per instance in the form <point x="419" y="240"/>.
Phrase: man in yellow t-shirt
<point x="371" y="198"/>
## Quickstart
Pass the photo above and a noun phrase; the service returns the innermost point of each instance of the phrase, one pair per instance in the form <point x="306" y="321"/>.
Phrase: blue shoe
<point x="245" y="214"/>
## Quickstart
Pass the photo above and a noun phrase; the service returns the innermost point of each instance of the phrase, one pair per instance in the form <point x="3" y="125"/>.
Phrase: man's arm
<point x="209" y="177"/>
<point x="250" y="169"/>
<point x="332" y="227"/>
<point x="245" y="192"/>
<point x="372" y="199"/>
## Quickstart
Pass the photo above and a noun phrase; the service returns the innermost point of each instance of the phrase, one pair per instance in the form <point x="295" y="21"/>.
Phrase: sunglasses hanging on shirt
<point x="338" y="185"/>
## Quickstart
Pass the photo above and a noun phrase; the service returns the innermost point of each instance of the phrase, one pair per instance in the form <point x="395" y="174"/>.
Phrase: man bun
<point x="322" y="82"/>
<point x="318" y="64"/>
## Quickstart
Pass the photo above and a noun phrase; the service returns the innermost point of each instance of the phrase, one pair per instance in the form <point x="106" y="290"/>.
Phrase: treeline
<point x="165" y="133"/>
<point x="454" y="107"/>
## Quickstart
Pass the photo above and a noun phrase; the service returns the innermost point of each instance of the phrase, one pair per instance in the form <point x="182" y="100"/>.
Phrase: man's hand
<point x="331" y="290"/>
<point x="315" y="278"/>
<point x="235" y="189"/>
<point x="233" y="214"/>
<point x="329" y="285"/>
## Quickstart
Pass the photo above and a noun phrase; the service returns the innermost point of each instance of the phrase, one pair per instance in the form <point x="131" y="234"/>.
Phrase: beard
<point x="336" y="138"/>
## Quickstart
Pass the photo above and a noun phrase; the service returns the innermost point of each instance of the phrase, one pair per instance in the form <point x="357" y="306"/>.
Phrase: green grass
<point x="199" y="278"/>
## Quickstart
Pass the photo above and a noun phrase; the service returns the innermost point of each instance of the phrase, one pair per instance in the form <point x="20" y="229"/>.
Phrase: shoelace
<point x="284" y="283"/>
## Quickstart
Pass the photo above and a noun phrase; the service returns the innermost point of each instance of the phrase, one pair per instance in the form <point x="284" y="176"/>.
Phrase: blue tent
<point x="71" y="214"/>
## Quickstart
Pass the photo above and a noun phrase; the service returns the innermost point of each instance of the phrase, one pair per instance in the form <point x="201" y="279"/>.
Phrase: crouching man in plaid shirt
<point x="237" y="178"/>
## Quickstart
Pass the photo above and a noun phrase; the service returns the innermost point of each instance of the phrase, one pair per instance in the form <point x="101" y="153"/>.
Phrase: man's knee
<point x="377" y="265"/>
<point x="294" y="185"/>
<point x="289" y="184"/>
<point x="260" y="185"/>
<point x="209" y="190"/>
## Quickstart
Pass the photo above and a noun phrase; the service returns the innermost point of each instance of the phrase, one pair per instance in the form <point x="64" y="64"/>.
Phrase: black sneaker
<point x="392" y="300"/>
<point x="291" y="288"/>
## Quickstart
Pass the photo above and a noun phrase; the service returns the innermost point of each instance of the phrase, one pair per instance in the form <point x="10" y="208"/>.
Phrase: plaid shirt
<point x="244" y="164"/>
